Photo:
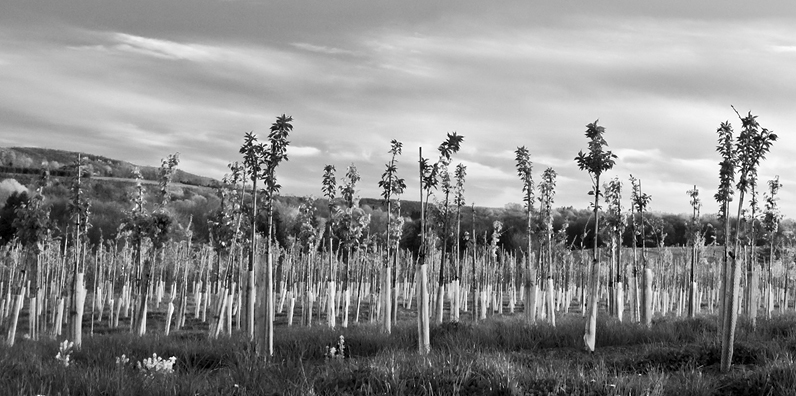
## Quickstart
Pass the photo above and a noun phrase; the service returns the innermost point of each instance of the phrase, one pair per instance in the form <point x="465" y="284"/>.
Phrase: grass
<point x="499" y="356"/>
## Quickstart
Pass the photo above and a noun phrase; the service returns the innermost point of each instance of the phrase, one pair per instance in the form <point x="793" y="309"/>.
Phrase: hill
<point x="30" y="160"/>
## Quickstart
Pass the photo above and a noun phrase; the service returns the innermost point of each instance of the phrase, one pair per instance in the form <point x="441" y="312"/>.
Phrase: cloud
<point x="161" y="48"/>
<point x="322" y="49"/>
<point x="117" y="42"/>
<point x="479" y="171"/>
<point x="298" y="151"/>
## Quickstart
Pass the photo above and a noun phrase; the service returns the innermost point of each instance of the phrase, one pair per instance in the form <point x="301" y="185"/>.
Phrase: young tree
<point x="696" y="240"/>
<point x="724" y="197"/>
<point x="459" y="175"/>
<point x="547" y="192"/>
<point x="224" y="227"/>
<point x="751" y="147"/>
<point x="441" y="176"/>
<point x="351" y="223"/>
<point x="391" y="186"/>
<point x="274" y="154"/>
<point x="429" y="179"/>
<point x="640" y="202"/>
<point x="308" y="237"/>
<point x="525" y="171"/>
<point x="153" y="227"/>
<point x="80" y="208"/>
<point x="771" y="220"/>
<point x="615" y="223"/>
<point x="596" y="162"/>
<point x="160" y="223"/>
<point x="445" y="179"/>
<point x="752" y="294"/>
<point x="253" y="161"/>
<point x="329" y="188"/>
<point x="491" y="265"/>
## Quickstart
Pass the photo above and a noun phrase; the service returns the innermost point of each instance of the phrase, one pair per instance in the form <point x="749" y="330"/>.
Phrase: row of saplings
<point x="741" y="158"/>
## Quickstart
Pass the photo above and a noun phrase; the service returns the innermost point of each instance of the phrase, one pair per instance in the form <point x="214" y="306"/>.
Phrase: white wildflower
<point x="337" y="351"/>
<point x="64" y="353"/>
<point x="121" y="361"/>
<point x="156" y="365"/>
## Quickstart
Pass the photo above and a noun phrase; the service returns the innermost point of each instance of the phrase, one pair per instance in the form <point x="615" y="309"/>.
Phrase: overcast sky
<point x="137" y="80"/>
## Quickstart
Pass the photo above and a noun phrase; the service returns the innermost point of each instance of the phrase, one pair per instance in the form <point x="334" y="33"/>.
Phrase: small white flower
<point x="122" y="360"/>
<point x="64" y="353"/>
<point x="157" y="366"/>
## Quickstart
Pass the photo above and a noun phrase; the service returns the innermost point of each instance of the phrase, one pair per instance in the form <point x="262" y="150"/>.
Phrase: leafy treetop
<point x="598" y="160"/>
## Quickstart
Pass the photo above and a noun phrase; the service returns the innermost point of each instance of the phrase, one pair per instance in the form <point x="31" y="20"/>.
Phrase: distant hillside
<point x="15" y="161"/>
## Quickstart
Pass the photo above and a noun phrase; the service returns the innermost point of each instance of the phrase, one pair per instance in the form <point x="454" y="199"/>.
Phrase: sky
<point x="138" y="80"/>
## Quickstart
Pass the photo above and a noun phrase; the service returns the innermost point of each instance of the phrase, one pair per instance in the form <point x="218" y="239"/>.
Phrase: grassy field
<point x="498" y="356"/>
